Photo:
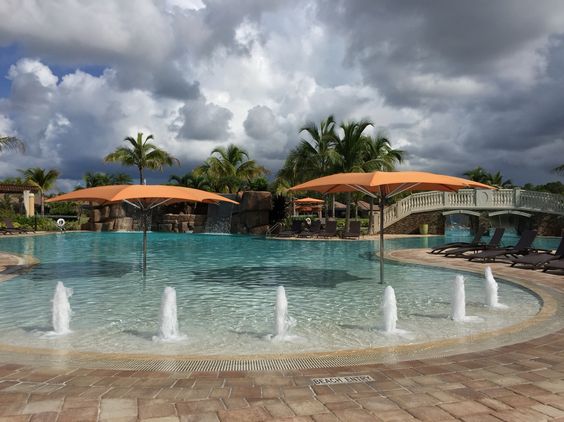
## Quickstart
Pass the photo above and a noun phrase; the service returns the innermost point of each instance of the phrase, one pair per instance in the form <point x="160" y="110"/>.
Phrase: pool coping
<point x="550" y="307"/>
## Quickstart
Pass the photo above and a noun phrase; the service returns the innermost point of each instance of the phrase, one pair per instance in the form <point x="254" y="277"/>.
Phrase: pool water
<point x="226" y="291"/>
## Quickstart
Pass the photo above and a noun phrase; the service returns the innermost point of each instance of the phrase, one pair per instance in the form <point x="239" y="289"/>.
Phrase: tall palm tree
<point x="478" y="174"/>
<point x="142" y="154"/>
<point x="11" y="142"/>
<point x="229" y="168"/>
<point x="93" y="179"/>
<point x="559" y="169"/>
<point x="379" y="156"/>
<point x="351" y="152"/>
<point x="44" y="180"/>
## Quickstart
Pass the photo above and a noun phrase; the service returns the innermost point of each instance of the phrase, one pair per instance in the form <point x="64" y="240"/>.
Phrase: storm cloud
<point x="455" y="84"/>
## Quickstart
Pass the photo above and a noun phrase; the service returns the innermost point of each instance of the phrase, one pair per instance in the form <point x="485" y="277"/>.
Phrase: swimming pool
<point x="226" y="290"/>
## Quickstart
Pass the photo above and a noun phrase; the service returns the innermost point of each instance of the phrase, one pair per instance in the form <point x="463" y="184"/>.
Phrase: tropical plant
<point x="190" y="180"/>
<point x="559" y="169"/>
<point x="379" y="156"/>
<point x="229" y="169"/>
<point x="11" y="143"/>
<point x="478" y="174"/>
<point x="93" y="179"/>
<point x="351" y="152"/>
<point x="42" y="179"/>
<point x="142" y="154"/>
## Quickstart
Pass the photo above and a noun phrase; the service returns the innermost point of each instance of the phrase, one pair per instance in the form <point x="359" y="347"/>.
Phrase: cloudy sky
<point x="455" y="84"/>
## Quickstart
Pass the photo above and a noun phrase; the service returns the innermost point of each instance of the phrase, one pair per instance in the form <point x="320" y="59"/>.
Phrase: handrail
<point x="271" y="229"/>
<point x="470" y="199"/>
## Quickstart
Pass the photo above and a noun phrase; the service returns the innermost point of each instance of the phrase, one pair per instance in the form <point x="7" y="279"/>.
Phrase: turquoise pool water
<point x="226" y="290"/>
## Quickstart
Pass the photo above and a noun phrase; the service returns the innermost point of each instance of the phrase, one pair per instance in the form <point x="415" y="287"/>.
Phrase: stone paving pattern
<point x="519" y="382"/>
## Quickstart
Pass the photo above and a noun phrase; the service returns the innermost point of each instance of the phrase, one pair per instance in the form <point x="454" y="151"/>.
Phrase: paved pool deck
<point x="523" y="381"/>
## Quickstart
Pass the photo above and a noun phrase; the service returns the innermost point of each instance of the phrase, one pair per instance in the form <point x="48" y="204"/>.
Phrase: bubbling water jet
<point x="61" y="310"/>
<point x="389" y="310"/>
<point x="168" y="318"/>
<point x="282" y="322"/>
<point x="491" y="286"/>
<point x="458" y="313"/>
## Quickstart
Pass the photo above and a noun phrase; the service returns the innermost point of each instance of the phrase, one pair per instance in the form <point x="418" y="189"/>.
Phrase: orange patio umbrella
<point x="309" y="201"/>
<point x="384" y="184"/>
<point x="144" y="197"/>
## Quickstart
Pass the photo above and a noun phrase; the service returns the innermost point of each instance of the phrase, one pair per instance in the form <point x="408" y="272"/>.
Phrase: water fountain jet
<point x="61" y="310"/>
<point x="283" y="322"/>
<point x="458" y="313"/>
<point x="389" y="310"/>
<point x="491" y="286"/>
<point x="168" y="318"/>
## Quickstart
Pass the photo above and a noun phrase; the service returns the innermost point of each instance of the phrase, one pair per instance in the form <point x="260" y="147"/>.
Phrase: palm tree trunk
<point x="356" y="209"/>
<point x="140" y="175"/>
<point x="42" y="204"/>
<point x="333" y="206"/>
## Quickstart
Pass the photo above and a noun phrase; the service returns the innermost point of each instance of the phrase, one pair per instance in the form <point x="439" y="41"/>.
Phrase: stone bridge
<point x="471" y="201"/>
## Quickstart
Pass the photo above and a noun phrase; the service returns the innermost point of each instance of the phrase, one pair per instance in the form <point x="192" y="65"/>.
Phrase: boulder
<point x="259" y="229"/>
<point x="96" y="215"/>
<point x="98" y="227"/>
<point x="123" y="224"/>
<point x="256" y="201"/>
<point x="104" y="212"/>
<point x="108" y="226"/>
<point x="253" y="218"/>
<point x="165" y="227"/>
<point x="116" y="211"/>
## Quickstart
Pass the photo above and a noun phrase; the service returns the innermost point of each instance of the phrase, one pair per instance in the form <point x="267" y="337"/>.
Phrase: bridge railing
<point x="470" y="199"/>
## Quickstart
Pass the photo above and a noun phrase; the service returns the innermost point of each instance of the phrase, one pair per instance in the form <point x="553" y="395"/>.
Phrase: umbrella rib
<point x="131" y="203"/>
<point x="402" y="188"/>
<point x="157" y="204"/>
<point x="362" y="189"/>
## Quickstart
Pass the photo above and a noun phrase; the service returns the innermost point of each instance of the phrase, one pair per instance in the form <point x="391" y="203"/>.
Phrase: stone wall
<point x="115" y="217"/>
<point x="411" y="223"/>
<point x="180" y="223"/>
<point x="548" y="224"/>
<point x="253" y="214"/>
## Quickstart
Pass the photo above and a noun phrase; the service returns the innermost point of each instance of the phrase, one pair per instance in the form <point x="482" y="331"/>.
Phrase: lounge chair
<point x="557" y="264"/>
<point x="535" y="260"/>
<point x="330" y="229"/>
<point x="313" y="230"/>
<point x="10" y="229"/>
<point x="523" y="247"/>
<point x="494" y="242"/>
<point x="294" y="230"/>
<point x="354" y="231"/>
<point x="475" y="242"/>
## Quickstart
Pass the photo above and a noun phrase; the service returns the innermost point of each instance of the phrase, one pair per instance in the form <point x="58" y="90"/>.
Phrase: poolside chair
<point x="536" y="259"/>
<point x="313" y="230"/>
<point x="523" y="247"/>
<point x="475" y="242"/>
<point x="294" y="230"/>
<point x="354" y="231"/>
<point x="10" y="229"/>
<point x="330" y="229"/>
<point x="494" y="242"/>
<point x="556" y="264"/>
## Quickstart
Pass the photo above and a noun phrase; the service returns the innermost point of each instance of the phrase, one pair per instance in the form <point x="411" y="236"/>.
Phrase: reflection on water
<point x="260" y="277"/>
<point x="66" y="270"/>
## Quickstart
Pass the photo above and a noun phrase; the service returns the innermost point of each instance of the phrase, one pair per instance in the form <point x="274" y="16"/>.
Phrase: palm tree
<point x="227" y="169"/>
<point x="142" y="154"/>
<point x="93" y="179"/>
<point x="190" y="180"/>
<point x="559" y="169"/>
<point x="351" y="152"/>
<point x="379" y="156"/>
<point x="478" y="174"/>
<point x="44" y="180"/>
<point x="11" y="142"/>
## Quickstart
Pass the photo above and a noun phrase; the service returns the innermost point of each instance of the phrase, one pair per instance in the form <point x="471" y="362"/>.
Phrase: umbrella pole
<point x="381" y="240"/>
<point x="144" y="217"/>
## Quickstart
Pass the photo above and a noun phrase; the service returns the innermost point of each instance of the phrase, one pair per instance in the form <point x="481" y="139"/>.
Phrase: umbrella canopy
<point x="387" y="183"/>
<point x="309" y="200"/>
<point x="384" y="184"/>
<point x="144" y="197"/>
<point x="141" y="196"/>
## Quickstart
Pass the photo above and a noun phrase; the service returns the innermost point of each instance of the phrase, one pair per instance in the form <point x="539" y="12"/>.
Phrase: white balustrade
<point x="511" y="199"/>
